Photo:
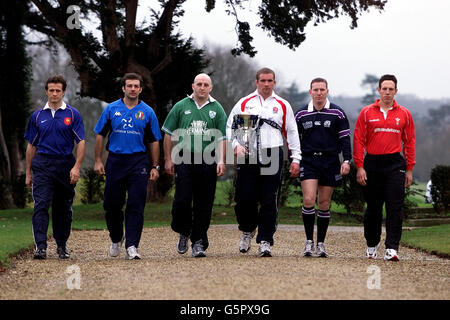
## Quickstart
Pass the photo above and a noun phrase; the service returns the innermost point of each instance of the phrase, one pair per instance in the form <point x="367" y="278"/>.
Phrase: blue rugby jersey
<point x="325" y="131"/>
<point x="55" y="135"/>
<point x="130" y="131"/>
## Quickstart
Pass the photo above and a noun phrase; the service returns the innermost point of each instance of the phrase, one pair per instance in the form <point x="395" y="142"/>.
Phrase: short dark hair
<point x="387" y="77"/>
<point x="264" y="71"/>
<point x="56" y="79"/>
<point x="132" y="76"/>
<point x="318" y="80"/>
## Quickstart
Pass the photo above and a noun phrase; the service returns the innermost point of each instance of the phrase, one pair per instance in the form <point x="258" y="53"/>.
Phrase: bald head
<point x="201" y="87"/>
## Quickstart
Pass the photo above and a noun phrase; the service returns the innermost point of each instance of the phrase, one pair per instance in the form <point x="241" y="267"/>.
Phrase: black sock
<point x="308" y="215"/>
<point x="323" y="219"/>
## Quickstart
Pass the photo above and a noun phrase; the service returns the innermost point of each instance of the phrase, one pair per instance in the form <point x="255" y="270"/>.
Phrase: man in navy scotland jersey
<point x="132" y="129"/>
<point x="51" y="169"/>
<point x="324" y="133"/>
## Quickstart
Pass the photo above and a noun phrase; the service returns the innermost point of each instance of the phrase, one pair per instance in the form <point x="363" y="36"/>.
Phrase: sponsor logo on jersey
<point x="374" y="120"/>
<point x="212" y="114"/>
<point x="139" y="115"/>
<point x="117" y="114"/>
<point x="307" y="124"/>
<point x="67" y="121"/>
<point x="128" y="123"/>
<point x="317" y="123"/>
<point x="187" y="112"/>
<point x="197" y="128"/>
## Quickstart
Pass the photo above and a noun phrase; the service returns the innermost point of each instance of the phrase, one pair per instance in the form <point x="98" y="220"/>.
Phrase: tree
<point x="370" y="81"/>
<point x="14" y="103"/>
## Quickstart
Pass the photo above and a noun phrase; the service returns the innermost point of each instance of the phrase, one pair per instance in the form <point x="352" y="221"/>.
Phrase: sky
<point x="409" y="38"/>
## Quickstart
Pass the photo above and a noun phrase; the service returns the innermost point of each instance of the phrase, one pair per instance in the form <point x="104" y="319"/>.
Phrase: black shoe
<point x="197" y="249"/>
<point x="182" y="246"/>
<point x="63" y="253"/>
<point x="40" y="254"/>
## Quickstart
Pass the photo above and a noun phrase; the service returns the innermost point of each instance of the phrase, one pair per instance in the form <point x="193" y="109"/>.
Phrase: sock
<point x="323" y="219"/>
<point x="308" y="215"/>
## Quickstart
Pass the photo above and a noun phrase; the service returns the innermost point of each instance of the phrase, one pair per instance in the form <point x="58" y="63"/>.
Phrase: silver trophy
<point x="245" y="131"/>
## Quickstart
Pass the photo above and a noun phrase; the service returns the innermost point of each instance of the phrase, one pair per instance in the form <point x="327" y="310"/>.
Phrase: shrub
<point x="350" y="193"/>
<point x="440" y="188"/>
<point x="92" y="187"/>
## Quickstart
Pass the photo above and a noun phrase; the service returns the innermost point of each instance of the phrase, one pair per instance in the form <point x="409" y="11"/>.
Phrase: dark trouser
<point x="385" y="185"/>
<point x="195" y="187"/>
<point x="126" y="174"/>
<point x="51" y="184"/>
<point x="253" y="187"/>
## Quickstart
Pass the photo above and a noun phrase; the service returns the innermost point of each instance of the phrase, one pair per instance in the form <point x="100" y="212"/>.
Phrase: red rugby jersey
<point x="377" y="135"/>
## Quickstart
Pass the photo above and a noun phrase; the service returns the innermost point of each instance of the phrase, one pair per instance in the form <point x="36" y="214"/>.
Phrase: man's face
<point x="319" y="93"/>
<point x="265" y="84"/>
<point x="202" y="87"/>
<point x="387" y="91"/>
<point x="55" y="93"/>
<point x="132" y="89"/>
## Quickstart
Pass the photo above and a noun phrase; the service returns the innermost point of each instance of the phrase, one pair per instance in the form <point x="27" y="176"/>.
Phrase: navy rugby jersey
<point x="55" y="134"/>
<point x="325" y="131"/>
<point x="130" y="131"/>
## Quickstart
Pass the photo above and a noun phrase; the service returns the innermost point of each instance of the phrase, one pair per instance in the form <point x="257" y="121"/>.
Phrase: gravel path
<point x="226" y="273"/>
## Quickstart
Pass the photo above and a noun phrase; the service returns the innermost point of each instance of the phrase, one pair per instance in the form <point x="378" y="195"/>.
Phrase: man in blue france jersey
<point x="132" y="129"/>
<point x="324" y="133"/>
<point x="51" y="169"/>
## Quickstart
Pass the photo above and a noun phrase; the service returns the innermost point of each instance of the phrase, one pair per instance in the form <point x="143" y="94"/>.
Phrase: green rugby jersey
<point x="196" y="128"/>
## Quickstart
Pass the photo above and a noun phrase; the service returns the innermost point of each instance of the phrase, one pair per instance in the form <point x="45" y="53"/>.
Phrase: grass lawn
<point x="434" y="239"/>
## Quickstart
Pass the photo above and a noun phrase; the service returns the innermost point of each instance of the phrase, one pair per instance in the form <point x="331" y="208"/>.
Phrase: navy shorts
<point x="324" y="168"/>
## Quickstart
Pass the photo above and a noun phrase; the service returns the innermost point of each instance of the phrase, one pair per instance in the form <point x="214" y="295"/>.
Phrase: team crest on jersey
<point x="139" y="115"/>
<point x="212" y="114"/>
<point x="327" y="123"/>
<point x="275" y="110"/>
<point x="397" y="121"/>
<point x="67" y="121"/>
<point x="307" y="124"/>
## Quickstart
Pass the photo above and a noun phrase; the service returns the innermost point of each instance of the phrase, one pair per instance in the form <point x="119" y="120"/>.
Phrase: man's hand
<point x="240" y="151"/>
<point x="28" y="179"/>
<point x="361" y="176"/>
<point x="408" y="178"/>
<point x="74" y="175"/>
<point x="345" y="168"/>
<point x="221" y="169"/>
<point x="154" y="175"/>
<point x="99" y="168"/>
<point x="294" y="169"/>
<point x="169" y="167"/>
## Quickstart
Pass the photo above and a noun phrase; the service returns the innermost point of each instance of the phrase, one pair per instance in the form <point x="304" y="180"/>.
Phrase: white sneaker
<point x="320" y="250"/>
<point x="264" y="249"/>
<point x="114" y="249"/>
<point x="371" y="252"/>
<point x="391" y="255"/>
<point x="309" y="248"/>
<point x="246" y="239"/>
<point x="132" y="253"/>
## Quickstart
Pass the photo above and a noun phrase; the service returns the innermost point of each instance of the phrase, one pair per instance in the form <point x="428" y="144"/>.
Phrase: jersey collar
<point x="63" y="106"/>
<point x="311" y="105"/>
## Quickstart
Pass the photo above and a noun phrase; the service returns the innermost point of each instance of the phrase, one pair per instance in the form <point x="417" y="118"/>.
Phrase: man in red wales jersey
<point x="382" y="130"/>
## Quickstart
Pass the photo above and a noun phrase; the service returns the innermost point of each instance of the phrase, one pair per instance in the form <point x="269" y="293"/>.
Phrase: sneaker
<point x="132" y="254"/>
<point x="371" y="252"/>
<point x="309" y="248"/>
<point x="246" y="239"/>
<point x="391" y="255"/>
<point x="63" y="253"/>
<point x="197" y="249"/>
<point x="320" y="250"/>
<point x="264" y="249"/>
<point x="182" y="246"/>
<point x="40" y="254"/>
<point x="114" y="249"/>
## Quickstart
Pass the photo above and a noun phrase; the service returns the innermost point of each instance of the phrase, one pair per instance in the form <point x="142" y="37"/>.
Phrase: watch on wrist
<point x="347" y="161"/>
<point x="156" y="167"/>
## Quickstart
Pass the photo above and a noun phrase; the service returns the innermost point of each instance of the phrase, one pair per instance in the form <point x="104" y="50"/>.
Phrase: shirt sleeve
<point x="31" y="133"/>
<point x="222" y="121"/>
<point x="344" y="137"/>
<point x="292" y="136"/>
<point x="78" y="126"/>
<point x="359" y="140"/>
<point x="171" y="122"/>
<point x="409" y="142"/>
<point x="103" y="126"/>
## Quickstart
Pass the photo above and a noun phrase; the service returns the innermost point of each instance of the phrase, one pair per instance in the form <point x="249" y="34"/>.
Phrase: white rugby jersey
<point x="275" y="109"/>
